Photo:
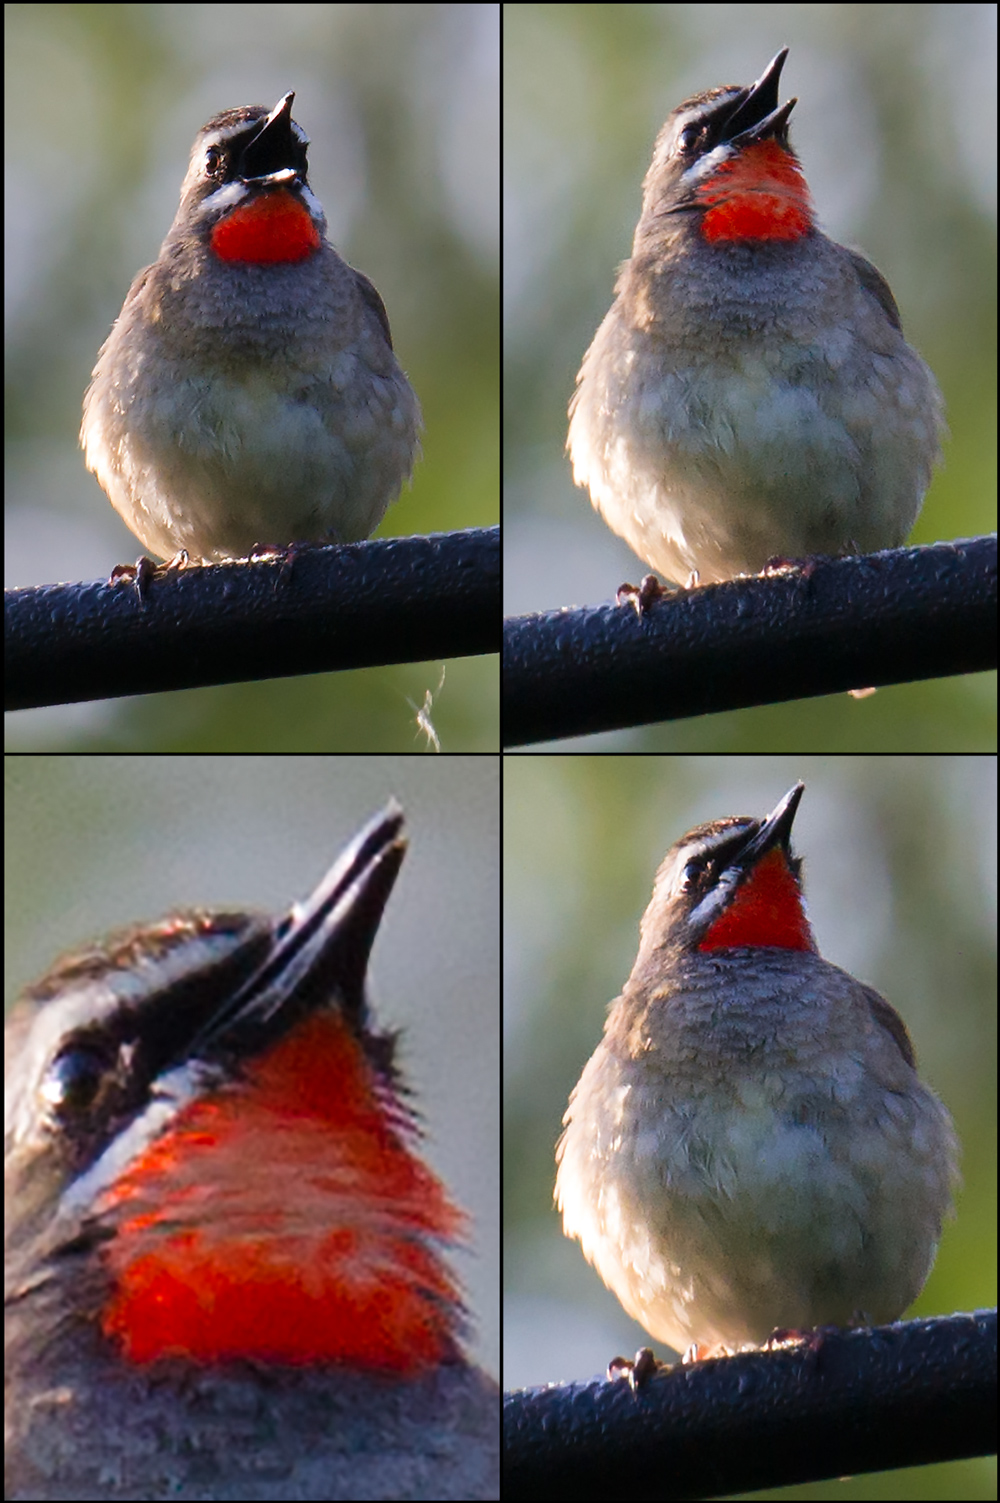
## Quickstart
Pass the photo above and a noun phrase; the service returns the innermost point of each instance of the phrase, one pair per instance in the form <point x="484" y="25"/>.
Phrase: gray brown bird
<point x="750" y="1146"/>
<point x="248" y="396"/>
<point x="225" y="1261"/>
<point x="750" y="394"/>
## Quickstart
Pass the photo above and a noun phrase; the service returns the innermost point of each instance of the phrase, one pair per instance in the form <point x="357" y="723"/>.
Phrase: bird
<point x="749" y="397"/>
<point x="226" y="1267"/>
<point x="248" y="397"/>
<point x="750" y="1148"/>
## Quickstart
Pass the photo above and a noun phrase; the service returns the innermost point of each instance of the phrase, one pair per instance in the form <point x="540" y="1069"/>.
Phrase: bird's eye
<point x="694" y="869"/>
<point x="213" y="161"/>
<point x="688" y="138"/>
<point x="74" y="1080"/>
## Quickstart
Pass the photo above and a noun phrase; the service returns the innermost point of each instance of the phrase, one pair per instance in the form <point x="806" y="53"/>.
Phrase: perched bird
<point x="750" y="1146"/>
<point x="750" y="394"/>
<point x="248" y="396"/>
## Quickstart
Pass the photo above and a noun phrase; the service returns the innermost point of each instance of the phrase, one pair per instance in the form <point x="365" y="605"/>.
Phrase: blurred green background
<point x="900" y="875"/>
<point x="93" y="844"/>
<point x="401" y="106"/>
<point x="895" y="126"/>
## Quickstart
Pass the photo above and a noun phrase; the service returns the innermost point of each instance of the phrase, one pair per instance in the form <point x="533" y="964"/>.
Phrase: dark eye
<point x="694" y="870"/>
<point x="213" y="161"/>
<point x="689" y="138"/>
<point x="74" y="1080"/>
